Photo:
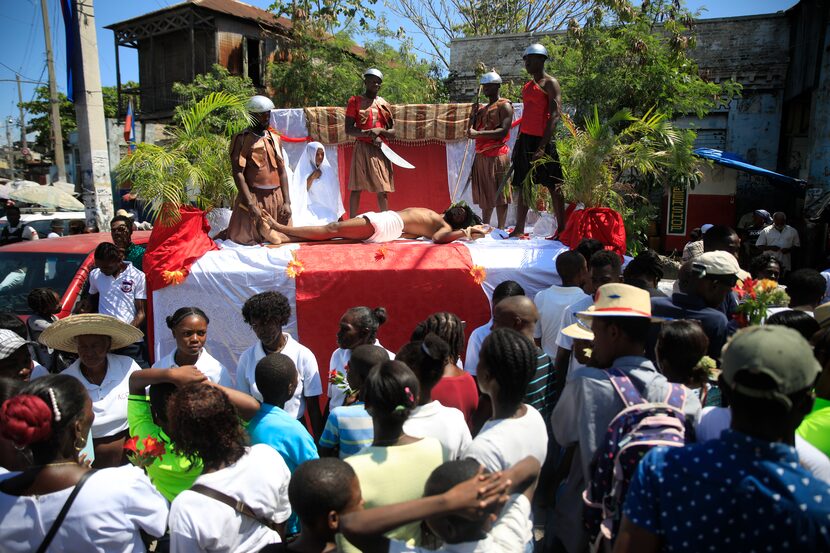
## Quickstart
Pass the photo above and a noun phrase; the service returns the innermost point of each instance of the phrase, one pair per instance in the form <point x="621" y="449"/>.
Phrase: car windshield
<point x="21" y="272"/>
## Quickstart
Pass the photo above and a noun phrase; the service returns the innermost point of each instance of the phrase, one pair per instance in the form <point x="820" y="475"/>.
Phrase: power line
<point x="29" y="41"/>
<point x="15" y="71"/>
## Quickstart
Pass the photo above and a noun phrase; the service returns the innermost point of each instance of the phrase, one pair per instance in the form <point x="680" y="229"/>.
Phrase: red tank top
<point x="536" y="109"/>
<point x="374" y="116"/>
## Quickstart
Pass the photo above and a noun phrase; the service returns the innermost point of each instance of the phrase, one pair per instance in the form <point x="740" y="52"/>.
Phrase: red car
<point x="62" y="264"/>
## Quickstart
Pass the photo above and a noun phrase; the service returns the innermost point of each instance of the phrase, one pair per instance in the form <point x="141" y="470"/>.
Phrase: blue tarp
<point x="734" y="161"/>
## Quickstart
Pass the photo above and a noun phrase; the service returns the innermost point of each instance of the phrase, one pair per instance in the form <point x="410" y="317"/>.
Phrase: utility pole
<point x="9" y="146"/>
<point x="60" y="162"/>
<point x="89" y="113"/>
<point x="23" y="145"/>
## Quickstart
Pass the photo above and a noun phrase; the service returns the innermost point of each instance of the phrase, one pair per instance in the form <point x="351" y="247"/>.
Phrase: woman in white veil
<point x="315" y="191"/>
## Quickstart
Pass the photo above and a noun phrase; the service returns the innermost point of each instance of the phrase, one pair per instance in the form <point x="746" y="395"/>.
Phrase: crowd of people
<point x="600" y="411"/>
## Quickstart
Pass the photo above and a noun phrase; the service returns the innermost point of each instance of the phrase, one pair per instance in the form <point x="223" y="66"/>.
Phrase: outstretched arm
<point x="446" y="235"/>
<point x="139" y="380"/>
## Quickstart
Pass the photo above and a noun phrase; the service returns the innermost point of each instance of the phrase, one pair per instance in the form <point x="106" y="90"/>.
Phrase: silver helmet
<point x="259" y="104"/>
<point x="535" y="49"/>
<point x="491" y="77"/>
<point x="374" y="72"/>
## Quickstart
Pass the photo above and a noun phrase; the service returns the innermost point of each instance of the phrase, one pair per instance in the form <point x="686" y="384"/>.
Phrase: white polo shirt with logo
<point x="117" y="295"/>
<point x="109" y="399"/>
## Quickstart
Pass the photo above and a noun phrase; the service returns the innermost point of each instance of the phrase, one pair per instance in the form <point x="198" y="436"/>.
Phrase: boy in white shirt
<point x="118" y="289"/>
<point x="551" y="302"/>
<point x="267" y="313"/>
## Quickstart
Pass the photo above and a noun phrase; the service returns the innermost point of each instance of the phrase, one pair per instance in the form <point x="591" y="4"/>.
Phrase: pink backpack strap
<point x="676" y="396"/>
<point x="625" y="388"/>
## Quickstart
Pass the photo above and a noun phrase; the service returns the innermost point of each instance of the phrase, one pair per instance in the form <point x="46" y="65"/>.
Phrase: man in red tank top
<point x="542" y="100"/>
<point x="490" y="127"/>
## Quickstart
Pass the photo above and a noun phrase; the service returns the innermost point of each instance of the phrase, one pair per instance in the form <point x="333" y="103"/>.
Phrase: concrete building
<point x="781" y="122"/>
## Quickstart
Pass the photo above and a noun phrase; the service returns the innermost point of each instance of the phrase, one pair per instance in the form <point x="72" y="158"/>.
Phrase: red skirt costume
<point x="370" y="170"/>
<point x="492" y="160"/>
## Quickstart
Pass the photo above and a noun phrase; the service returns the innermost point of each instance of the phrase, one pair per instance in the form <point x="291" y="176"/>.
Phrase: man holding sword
<point x="369" y="120"/>
<point x="490" y="128"/>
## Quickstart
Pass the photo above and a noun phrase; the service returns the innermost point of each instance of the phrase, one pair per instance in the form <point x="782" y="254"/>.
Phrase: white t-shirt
<point x="551" y="303"/>
<point x="117" y="295"/>
<point x="504" y="442"/>
<point x="106" y="515"/>
<point x="711" y="421"/>
<point x="339" y="360"/>
<point x="210" y="367"/>
<point x="477" y="337"/>
<point x="308" y="381"/>
<point x="200" y="523"/>
<point x="507" y="535"/>
<point x="109" y="400"/>
<point x="445" y="424"/>
<point x="785" y="238"/>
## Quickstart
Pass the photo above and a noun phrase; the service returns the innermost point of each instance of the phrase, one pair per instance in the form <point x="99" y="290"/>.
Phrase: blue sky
<point x="22" y="47"/>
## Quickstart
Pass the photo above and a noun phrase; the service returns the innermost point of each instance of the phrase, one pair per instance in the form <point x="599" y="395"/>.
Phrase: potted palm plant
<point x="611" y="166"/>
<point x="193" y="168"/>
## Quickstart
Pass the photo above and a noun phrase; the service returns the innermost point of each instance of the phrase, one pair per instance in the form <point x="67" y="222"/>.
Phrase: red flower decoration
<point x="153" y="447"/>
<point x="132" y="444"/>
<point x="478" y="273"/>
<point x="380" y="253"/>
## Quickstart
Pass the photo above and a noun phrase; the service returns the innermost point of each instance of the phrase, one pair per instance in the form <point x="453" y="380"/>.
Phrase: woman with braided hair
<point x="396" y="466"/>
<point x="358" y="326"/>
<point x="50" y="420"/>
<point x="507" y="362"/>
<point x="456" y="388"/>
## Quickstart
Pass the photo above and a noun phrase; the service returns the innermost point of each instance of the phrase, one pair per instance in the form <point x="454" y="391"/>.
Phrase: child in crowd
<point x="205" y="424"/>
<point x="174" y="472"/>
<point x="681" y="347"/>
<point x="430" y="418"/>
<point x="189" y="326"/>
<point x="358" y="326"/>
<point x="118" y="289"/>
<point x="349" y="427"/>
<point x="391" y="393"/>
<point x="503" y="290"/>
<point x="458" y="507"/>
<point x="456" y="387"/>
<point x="45" y="304"/>
<point x="268" y="313"/>
<point x="276" y="378"/>
<point x="26" y="368"/>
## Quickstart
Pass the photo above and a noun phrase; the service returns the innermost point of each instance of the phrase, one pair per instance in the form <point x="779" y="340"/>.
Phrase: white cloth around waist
<point x="388" y="225"/>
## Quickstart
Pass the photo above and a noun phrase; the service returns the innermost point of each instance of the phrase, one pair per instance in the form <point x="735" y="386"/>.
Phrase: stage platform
<point x="410" y="278"/>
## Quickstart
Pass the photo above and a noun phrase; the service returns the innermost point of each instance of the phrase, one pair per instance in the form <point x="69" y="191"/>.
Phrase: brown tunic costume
<point x="492" y="159"/>
<point x="370" y="169"/>
<point x="260" y="160"/>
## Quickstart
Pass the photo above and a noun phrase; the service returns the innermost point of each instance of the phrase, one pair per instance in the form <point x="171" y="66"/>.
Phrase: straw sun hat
<point x="61" y="334"/>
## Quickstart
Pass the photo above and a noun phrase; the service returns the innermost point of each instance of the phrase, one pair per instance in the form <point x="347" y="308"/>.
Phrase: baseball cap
<point x="10" y="342"/>
<point x="704" y="228"/>
<point x="777" y="352"/>
<point x="717" y="263"/>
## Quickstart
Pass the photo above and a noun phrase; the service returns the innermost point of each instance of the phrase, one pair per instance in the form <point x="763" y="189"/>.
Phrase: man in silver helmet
<point x="369" y="120"/>
<point x="259" y="174"/>
<point x="542" y="100"/>
<point x="490" y="128"/>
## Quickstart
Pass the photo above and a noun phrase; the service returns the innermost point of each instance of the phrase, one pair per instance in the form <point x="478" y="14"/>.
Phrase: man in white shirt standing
<point x="505" y="289"/>
<point x="551" y="302"/>
<point x="267" y="313"/>
<point x="779" y="239"/>
<point x="118" y="289"/>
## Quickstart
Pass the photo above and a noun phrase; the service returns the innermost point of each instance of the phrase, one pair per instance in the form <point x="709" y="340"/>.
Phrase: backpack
<point x="636" y="429"/>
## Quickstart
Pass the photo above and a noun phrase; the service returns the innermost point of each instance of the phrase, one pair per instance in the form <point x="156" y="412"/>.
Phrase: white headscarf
<point x="322" y="203"/>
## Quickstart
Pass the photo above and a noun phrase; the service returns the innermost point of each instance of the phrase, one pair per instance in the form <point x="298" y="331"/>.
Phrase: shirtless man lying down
<point x="459" y="221"/>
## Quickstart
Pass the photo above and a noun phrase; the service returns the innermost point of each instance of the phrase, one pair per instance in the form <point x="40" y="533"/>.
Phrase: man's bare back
<point x="417" y="222"/>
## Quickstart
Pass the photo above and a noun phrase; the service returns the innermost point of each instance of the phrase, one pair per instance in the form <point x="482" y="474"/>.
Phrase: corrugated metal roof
<point x="230" y="7"/>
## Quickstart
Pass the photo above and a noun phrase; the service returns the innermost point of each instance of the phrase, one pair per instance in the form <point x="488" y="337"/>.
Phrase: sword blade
<point x="394" y="158"/>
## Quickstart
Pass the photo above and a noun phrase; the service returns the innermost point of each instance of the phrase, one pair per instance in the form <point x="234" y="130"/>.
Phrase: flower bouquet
<point x="338" y="379"/>
<point x="755" y="297"/>
<point x="152" y="450"/>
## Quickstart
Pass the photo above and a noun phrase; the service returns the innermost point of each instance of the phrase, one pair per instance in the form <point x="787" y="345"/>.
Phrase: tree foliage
<point x="194" y="167"/>
<point x="323" y="65"/>
<point x="636" y="58"/>
<point x="218" y="79"/>
<point x="441" y="21"/>
<point x="39" y="110"/>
